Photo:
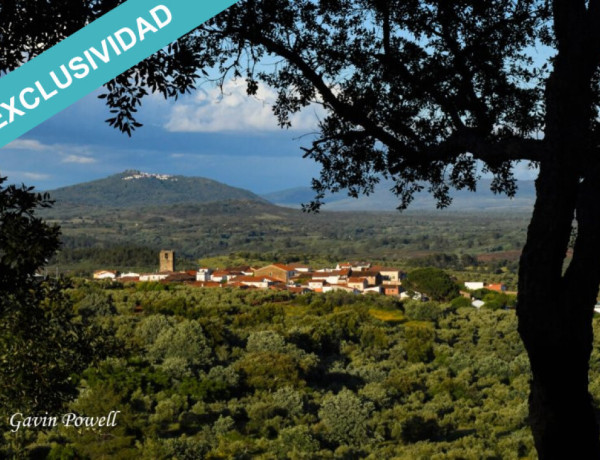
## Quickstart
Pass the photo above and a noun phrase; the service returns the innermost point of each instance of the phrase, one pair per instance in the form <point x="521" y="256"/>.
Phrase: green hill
<point x="122" y="222"/>
<point x="135" y="189"/>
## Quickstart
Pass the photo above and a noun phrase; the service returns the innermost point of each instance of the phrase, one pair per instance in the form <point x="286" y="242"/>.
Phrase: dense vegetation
<point x="201" y="373"/>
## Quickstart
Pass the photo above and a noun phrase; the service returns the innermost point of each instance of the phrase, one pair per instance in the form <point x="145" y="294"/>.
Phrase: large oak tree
<point x="421" y="92"/>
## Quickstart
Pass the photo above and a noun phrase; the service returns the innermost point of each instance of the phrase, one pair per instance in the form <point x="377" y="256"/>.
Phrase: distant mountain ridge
<point x="384" y="200"/>
<point x="134" y="188"/>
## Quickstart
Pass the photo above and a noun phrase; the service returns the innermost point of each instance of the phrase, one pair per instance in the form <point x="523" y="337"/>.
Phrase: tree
<point x="345" y="418"/>
<point x="419" y="92"/>
<point x="26" y="241"/>
<point x="433" y="282"/>
<point x="41" y="347"/>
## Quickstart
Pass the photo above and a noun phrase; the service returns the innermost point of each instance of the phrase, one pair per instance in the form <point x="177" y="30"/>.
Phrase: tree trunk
<point x="555" y="306"/>
<point x="555" y="309"/>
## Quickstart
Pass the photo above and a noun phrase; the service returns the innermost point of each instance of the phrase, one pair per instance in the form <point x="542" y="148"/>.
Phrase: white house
<point x="317" y="284"/>
<point x="221" y="276"/>
<point x="474" y="285"/>
<point x="331" y="276"/>
<point x="260" y="282"/>
<point x="358" y="283"/>
<point x="153" y="276"/>
<point x="105" y="275"/>
<point x="339" y="287"/>
<point x="203" y="274"/>
<point x="389" y="275"/>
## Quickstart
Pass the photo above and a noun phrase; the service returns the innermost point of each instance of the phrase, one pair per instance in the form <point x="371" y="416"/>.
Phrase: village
<point x="352" y="277"/>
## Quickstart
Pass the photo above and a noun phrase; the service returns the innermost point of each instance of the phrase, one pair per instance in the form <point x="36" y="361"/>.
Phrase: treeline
<point x="446" y="261"/>
<point x="107" y="257"/>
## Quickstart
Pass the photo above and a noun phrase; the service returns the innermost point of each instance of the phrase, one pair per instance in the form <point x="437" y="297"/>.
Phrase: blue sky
<point x="230" y="138"/>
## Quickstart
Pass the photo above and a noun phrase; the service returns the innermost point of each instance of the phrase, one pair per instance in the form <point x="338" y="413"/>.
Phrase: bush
<point x="460" y="302"/>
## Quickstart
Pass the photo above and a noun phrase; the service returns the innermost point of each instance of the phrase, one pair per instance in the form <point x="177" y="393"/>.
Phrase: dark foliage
<point x="40" y="346"/>
<point x="433" y="282"/>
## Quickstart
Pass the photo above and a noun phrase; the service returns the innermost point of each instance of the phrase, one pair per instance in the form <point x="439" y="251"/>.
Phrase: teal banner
<point x="93" y="56"/>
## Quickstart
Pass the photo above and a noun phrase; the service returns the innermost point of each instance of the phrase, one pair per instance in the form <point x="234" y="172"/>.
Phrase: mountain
<point x="291" y="198"/>
<point x="384" y="200"/>
<point x="135" y="189"/>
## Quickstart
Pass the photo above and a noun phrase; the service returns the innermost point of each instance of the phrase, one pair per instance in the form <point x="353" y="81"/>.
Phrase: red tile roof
<point x="496" y="287"/>
<point x="356" y="280"/>
<point x="207" y="284"/>
<point x="287" y="268"/>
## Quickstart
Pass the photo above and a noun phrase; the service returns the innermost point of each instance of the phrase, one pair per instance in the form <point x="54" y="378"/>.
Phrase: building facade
<point x="167" y="261"/>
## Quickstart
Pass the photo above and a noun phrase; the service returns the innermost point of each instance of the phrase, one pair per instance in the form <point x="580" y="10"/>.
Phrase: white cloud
<point x="35" y="176"/>
<point x="67" y="153"/>
<point x="78" y="159"/>
<point x="27" y="144"/>
<point x="234" y="111"/>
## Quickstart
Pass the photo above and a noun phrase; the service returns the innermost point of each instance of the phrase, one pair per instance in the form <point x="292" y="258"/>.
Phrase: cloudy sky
<point x="230" y="138"/>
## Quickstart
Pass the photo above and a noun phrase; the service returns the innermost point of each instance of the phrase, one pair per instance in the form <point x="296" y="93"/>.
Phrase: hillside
<point x="135" y="189"/>
<point x="126" y="218"/>
<point x="221" y="228"/>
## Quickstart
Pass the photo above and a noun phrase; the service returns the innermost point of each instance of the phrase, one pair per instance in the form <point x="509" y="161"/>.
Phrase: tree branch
<point x="495" y="152"/>
<point x="477" y="107"/>
<point x="411" y="150"/>
<point x="347" y="111"/>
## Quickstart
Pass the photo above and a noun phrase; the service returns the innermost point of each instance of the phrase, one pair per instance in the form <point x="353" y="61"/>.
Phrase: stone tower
<point x="167" y="261"/>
